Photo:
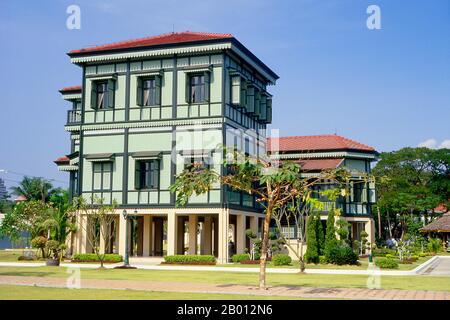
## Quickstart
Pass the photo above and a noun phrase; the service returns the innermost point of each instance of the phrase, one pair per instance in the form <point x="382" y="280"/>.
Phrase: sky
<point x="388" y="88"/>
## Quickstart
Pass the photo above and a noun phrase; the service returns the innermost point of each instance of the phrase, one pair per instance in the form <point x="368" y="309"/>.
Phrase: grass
<point x="364" y="262"/>
<point x="11" y="255"/>
<point x="10" y="292"/>
<point x="311" y="280"/>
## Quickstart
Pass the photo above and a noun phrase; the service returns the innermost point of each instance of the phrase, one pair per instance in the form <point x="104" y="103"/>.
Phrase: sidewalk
<point x="284" y="291"/>
<point x="418" y="270"/>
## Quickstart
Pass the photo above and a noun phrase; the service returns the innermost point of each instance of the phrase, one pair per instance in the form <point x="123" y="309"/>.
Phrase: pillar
<point x="207" y="236"/>
<point x="122" y="234"/>
<point x="171" y="233"/>
<point x="102" y="243"/>
<point x="180" y="235"/>
<point x="369" y="227"/>
<point x="193" y="221"/>
<point x="147" y="236"/>
<point x="240" y="233"/>
<point x="223" y="223"/>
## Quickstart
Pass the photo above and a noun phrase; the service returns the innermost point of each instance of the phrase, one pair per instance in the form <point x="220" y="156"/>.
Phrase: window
<point x="358" y="188"/>
<point x="147" y="174"/>
<point x="149" y="91"/>
<point x="198" y="88"/>
<point x="238" y="91"/>
<point x="102" y="95"/>
<point x="102" y="175"/>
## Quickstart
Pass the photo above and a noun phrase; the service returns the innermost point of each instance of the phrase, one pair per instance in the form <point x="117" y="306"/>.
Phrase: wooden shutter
<point x="235" y="89"/>
<point x="364" y="193"/>
<point x="250" y="99"/>
<point x="263" y="107"/>
<point x="93" y="95"/>
<point x="137" y="175"/>
<point x="158" y="90"/>
<point x="243" y="93"/>
<point x="352" y="192"/>
<point x="269" y="110"/>
<point x="139" y="93"/>
<point x="257" y="111"/>
<point x="188" y="89"/>
<point x="110" y="95"/>
<point x="207" y="85"/>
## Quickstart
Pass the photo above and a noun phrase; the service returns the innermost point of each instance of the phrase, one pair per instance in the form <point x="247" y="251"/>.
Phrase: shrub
<point x="240" y="257"/>
<point x="39" y="243"/>
<point x="434" y="245"/>
<point x="26" y="258"/>
<point x="92" y="257"/>
<point x="386" y="263"/>
<point x="390" y="256"/>
<point x="322" y="260"/>
<point x="186" y="259"/>
<point x="330" y="235"/>
<point x="312" y="243"/>
<point x="281" y="259"/>
<point x="341" y="255"/>
<point x="381" y="252"/>
<point x="54" y="248"/>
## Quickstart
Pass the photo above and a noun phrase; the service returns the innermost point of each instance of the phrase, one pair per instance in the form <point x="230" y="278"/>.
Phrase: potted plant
<point x="54" y="249"/>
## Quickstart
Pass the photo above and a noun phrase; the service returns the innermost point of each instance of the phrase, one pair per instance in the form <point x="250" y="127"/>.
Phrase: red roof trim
<point x="62" y="159"/>
<point x="317" y="143"/>
<point x="319" y="164"/>
<point x="167" y="38"/>
<point x="72" y="88"/>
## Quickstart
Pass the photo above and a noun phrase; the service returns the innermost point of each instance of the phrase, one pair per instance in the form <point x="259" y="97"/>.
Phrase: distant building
<point x="3" y="192"/>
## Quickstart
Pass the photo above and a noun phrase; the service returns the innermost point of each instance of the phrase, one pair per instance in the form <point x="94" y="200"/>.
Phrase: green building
<point x="146" y="109"/>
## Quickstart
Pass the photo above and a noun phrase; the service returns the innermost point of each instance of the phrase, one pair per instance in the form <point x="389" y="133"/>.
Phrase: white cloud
<point x="433" y="144"/>
<point x="445" y="144"/>
<point x="430" y="143"/>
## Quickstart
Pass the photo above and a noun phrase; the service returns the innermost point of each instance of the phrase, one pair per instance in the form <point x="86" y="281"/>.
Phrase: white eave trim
<point x="339" y="154"/>
<point x="67" y="168"/>
<point x="151" y="53"/>
<point x="72" y="96"/>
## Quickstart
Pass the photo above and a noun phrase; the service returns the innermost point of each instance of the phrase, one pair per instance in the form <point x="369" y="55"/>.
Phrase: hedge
<point x="92" y="257"/>
<point x="386" y="263"/>
<point x="341" y="255"/>
<point x="190" y="258"/>
<point x="281" y="259"/>
<point x="240" y="257"/>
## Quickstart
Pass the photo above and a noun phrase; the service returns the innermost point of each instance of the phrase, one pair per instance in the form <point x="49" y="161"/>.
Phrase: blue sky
<point x="388" y="88"/>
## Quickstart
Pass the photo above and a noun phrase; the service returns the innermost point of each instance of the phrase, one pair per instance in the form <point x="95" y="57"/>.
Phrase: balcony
<point x="73" y="116"/>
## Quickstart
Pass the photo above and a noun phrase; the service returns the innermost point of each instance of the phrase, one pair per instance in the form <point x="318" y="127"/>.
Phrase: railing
<point x="73" y="116"/>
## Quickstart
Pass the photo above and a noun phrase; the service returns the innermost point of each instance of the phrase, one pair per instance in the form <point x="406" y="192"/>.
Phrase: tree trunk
<point x="379" y="222"/>
<point x="389" y="223"/>
<point x="264" y="246"/>
<point x="301" y="261"/>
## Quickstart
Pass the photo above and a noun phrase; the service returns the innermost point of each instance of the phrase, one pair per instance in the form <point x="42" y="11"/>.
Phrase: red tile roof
<point x="319" y="164"/>
<point x="316" y="143"/>
<point x="167" y="38"/>
<point x="62" y="159"/>
<point x="72" y="88"/>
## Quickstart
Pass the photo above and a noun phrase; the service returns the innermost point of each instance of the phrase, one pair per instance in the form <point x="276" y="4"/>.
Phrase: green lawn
<point x="364" y="262"/>
<point x="311" y="280"/>
<point x="11" y="255"/>
<point x="9" y="292"/>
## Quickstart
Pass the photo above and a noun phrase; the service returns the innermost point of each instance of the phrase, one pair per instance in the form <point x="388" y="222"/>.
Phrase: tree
<point x="312" y="243"/>
<point x="411" y="182"/>
<point x="34" y="188"/>
<point x="273" y="185"/>
<point x="295" y="214"/>
<point x="99" y="224"/>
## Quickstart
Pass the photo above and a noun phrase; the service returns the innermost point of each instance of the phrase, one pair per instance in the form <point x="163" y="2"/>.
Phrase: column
<point x="147" y="235"/>
<point x="223" y="221"/>
<point x="82" y="239"/>
<point x="193" y="221"/>
<point x="240" y="233"/>
<point x="122" y="235"/>
<point x="171" y="233"/>
<point x="102" y="238"/>
<point x="180" y="235"/>
<point x="254" y="225"/>
<point x="207" y="236"/>
<point x="369" y="227"/>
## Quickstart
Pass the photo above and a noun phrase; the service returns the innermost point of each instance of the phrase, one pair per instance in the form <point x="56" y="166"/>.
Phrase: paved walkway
<point x="141" y="264"/>
<point x="285" y="291"/>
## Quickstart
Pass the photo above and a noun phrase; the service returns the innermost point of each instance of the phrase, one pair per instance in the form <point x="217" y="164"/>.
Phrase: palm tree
<point x="34" y="188"/>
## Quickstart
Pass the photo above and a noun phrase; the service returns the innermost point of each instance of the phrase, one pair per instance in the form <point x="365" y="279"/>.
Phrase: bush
<point x="281" y="259"/>
<point x="390" y="256"/>
<point x="341" y="255"/>
<point x="92" y="257"/>
<point x="386" y="263"/>
<point x="434" y="245"/>
<point x="186" y="259"/>
<point x="39" y="242"/>
<point x="322" y="260"/>
<point x="240" y="257"/>
<point x="381" y="252"/>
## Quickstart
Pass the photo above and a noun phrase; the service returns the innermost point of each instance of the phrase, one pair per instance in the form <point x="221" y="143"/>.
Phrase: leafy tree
<point x="34" y="188"/>
<point x="274" y="186"/>
<point x="411" y="182"/>
<point x="100" y="226"/>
